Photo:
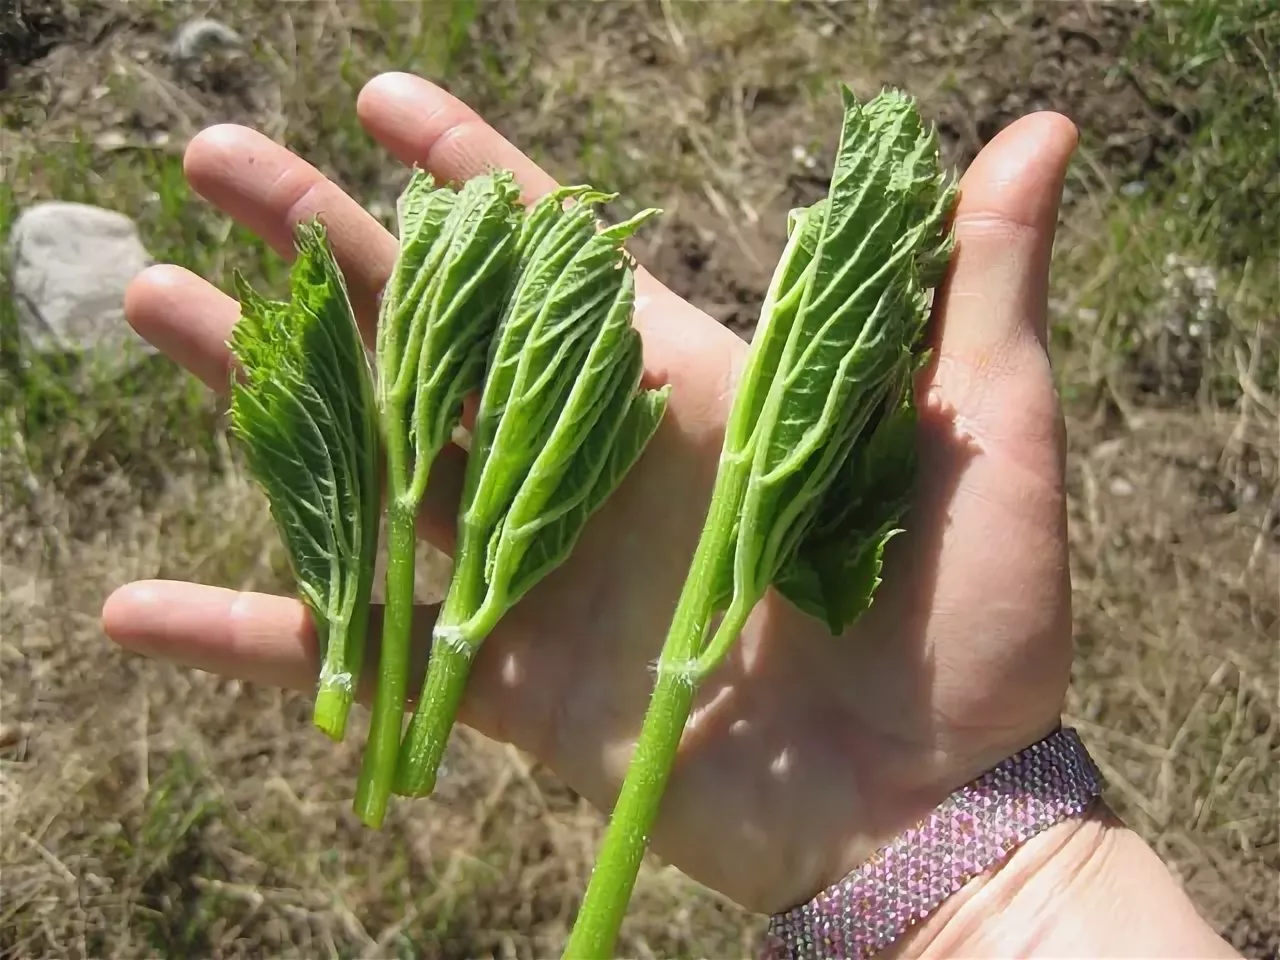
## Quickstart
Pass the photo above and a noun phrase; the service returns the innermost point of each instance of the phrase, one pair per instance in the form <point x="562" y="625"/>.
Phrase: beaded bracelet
<point x="974" y="829"/>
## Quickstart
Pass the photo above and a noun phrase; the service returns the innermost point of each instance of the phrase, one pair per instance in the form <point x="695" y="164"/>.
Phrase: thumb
<point x="995" y="296"/>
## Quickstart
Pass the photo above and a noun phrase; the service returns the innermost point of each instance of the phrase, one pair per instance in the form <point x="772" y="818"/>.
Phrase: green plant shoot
<point x="561" y="420"/>
<point x="437" y="316"/>
<point x="302" y="404"/>
<point x="818" y="460"/>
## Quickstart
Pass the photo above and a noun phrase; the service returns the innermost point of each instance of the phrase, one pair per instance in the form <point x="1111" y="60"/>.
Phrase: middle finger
<point x="269" y="190"/>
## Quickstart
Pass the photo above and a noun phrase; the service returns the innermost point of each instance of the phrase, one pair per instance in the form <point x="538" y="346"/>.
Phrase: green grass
<point x="423" y="38"/>
<point x="68" y="421"/>
<point x="65" y="422"/>
<point x="1166" y="285"/>
<point x="1225" y="186"/>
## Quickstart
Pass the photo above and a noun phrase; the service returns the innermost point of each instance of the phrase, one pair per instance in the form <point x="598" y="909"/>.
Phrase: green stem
<point x="735" y="618"/>
<point x="344" y="660"/>
<point x="452" y="651"/>
<point x="605" y="904"/>
<point x="377" y="771"/>
<point x="334" y="694"/>
<point x="428" y="736"/>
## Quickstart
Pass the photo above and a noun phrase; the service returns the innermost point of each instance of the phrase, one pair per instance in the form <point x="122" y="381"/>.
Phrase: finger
<point x="419" y="123"/>
<point x="996" y="291"/>
<point x="189" y="320"/>
<point x="265" y="639"/>
<point x="186" y="318"/>
<point x="247" y="636"/>
<point x="269" y="190"/>
<point x="254" y="637"/>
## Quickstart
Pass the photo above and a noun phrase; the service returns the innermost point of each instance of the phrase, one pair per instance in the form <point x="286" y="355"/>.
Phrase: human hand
<point x="806" y="751"/>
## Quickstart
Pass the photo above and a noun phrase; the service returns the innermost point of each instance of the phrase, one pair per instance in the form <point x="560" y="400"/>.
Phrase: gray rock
<point x="70" y="265"/>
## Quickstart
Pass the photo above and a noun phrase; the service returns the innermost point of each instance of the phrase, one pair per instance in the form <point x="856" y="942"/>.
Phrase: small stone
<point x="71" y="263"/>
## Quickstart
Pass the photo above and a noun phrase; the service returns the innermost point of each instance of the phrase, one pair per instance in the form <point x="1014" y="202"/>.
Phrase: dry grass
<point x="146" y="810"/>
<point x="1175" y="682"/>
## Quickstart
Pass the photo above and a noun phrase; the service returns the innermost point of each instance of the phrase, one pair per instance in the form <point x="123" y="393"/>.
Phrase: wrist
<point x="1083" y="888"/>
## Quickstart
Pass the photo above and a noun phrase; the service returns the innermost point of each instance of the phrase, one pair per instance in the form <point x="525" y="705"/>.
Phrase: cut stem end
<point x="333" y="705"/>
<point x="428" y="737"/>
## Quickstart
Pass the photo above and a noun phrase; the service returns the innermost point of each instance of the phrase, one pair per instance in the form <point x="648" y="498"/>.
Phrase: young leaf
<point x="839" y="328"/>
<point x="553" y="543"/>
<point x="554" y="435"/>
<point x="769" y="341"/>
<point x="578" y="351"/>
<point x="564" y="295"/>
<point x="421" y="210"/>
<point x="436" y="320"/>
<point x="834" y="573"/>
<point x="439" y="310"/>
<point x="773" y="331"/>
<point x="857" y="324"/>
<point x="565" y="473"/>
<point x="302" y="405"/>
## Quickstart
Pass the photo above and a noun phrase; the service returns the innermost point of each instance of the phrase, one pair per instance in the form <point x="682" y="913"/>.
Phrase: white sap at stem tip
<point x="335" y="679"/>
<point x="686" y="670"/>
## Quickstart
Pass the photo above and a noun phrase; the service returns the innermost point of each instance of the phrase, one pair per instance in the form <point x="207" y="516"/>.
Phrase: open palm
<point x="806" y="750"/>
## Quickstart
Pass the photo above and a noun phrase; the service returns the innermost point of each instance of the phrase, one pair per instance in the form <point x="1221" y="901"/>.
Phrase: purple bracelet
<point x="971" y="831"/>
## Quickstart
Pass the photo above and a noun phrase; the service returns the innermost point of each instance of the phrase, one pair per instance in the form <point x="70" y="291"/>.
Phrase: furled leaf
<point x="439" y="311"/>
<point x="554" y="542"/>
<point x="302" y="405"/>
<point x="818" y="378"/>
<point x="772" y="333"/>
<point x="609" y="375"/>
<point x="421" y="212"/>
<point x="285" y="453"/>
<point x="564" y="296"/>
<point x="858" y="320"/>
<point x="565" y="473"/>
<point x="548" y="240"/>
<point x="834" y="573"/>
<point x="436" y="321"/>
<point x="554" y="435"/>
